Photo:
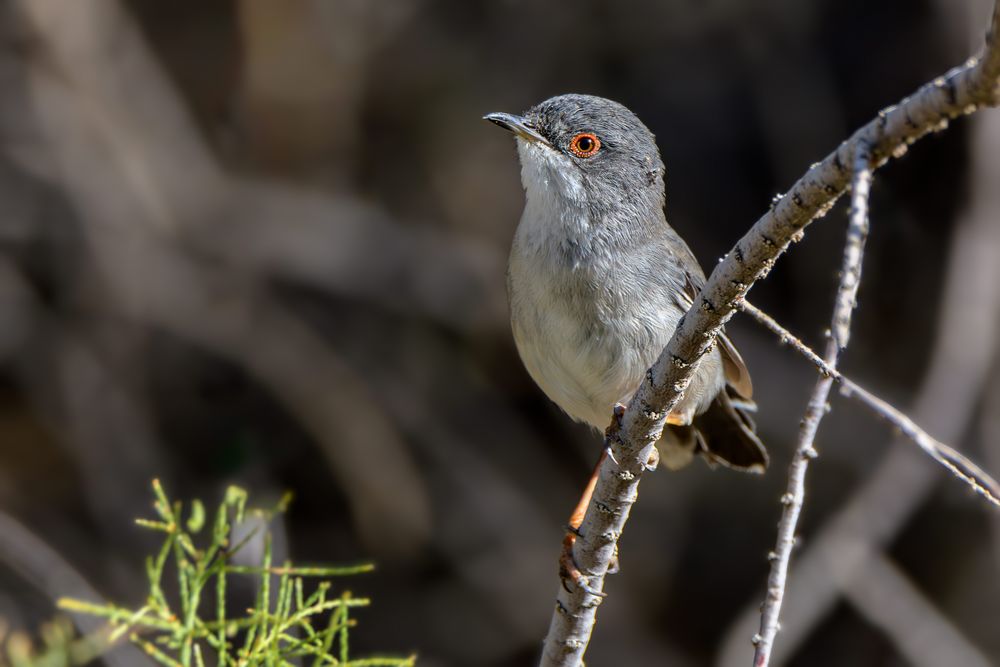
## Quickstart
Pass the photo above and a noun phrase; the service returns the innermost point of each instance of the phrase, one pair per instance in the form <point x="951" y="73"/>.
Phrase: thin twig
<point x="957" y="369"/>
<point x="963" y="90"/>
<point x="959" y="465"/>
<point x="805" y="451"/>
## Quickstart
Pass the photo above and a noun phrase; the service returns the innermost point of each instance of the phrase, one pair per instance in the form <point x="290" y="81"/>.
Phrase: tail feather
<point x="726" y="435"/>
<point x="677" y="446"/>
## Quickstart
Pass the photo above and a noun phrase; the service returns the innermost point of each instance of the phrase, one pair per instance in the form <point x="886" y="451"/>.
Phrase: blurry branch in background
<point x="42" y="566"/>
<point x="102" y="417"/>
<point x="145" y="213"/>
<point x="921" y="634"/>
<point x="325" y="241"/>
<point x="805" y="451"/>
<point x="166" y="240"/>
<point x="961" y="91"/>
<point x="154" y="280"/>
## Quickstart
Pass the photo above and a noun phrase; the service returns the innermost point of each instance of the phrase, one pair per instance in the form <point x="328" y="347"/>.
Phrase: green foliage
<point x="290" y="623"/>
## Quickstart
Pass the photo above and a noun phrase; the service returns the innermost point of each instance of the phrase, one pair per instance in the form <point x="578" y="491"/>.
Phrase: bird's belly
<point x="582" y="364"/>
<point x="579" y="379"/>
<point x="588" y="353"/>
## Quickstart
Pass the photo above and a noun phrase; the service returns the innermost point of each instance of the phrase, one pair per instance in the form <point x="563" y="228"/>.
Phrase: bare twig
<point x="959" y="367"/>
<point x="959" y="465"/>
<point x="961" y="91"/>
<point x="805" y="451"/>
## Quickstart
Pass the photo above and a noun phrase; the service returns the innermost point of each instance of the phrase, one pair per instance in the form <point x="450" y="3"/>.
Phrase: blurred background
<point x="263" y="242"/>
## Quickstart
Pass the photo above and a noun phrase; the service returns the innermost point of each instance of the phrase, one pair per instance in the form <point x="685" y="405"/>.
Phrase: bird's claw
<point x="568" y="570"/>
<point x="616" y="421"/>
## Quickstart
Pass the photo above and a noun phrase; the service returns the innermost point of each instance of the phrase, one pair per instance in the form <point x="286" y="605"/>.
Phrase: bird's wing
<point x="735" y="369"/>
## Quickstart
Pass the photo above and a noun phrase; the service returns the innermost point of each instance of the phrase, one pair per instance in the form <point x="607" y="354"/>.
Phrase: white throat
<point x="555" y="198"/>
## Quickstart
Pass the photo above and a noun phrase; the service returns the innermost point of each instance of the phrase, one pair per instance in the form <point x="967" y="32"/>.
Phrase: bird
<point x="597" y="281"/>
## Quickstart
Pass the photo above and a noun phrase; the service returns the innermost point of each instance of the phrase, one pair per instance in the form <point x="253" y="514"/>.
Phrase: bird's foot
<point x="679" y="419"/>
<point x="569" y="572"/>
<point x="616" y="421"/>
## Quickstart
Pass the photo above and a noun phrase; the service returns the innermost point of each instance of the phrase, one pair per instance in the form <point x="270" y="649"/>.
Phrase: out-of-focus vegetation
<point x="292" y="620"/>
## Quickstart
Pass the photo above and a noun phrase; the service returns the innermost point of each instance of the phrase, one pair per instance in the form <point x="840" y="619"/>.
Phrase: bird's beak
<point x="518" y="125"/>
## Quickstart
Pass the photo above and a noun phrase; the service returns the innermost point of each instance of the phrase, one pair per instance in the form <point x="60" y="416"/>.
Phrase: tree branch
<point x="957" y="368"/>
<point x="805" y="451"/>
<point x="962" y="90"/>
<point x="959" y="465"/>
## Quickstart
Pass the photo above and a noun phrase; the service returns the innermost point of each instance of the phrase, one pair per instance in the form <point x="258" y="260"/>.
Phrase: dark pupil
<point x="585" y="144"/>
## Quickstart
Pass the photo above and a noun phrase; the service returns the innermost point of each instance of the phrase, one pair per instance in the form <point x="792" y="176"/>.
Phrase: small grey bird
<point x="597" y="280"/>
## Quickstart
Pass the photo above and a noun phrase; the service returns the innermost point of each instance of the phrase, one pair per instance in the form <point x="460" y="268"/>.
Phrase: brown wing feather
<point x="736" y="371"/>
<point x="725" y="432"/>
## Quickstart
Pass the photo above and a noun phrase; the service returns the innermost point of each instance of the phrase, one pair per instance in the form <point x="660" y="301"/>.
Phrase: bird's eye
<point x="585" y="144"/>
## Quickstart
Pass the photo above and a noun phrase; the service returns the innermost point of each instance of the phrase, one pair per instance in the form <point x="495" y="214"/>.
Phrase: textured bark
<point x="805" y="451"/>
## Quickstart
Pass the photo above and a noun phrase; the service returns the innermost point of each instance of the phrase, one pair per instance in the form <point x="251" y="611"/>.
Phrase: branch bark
<point x="960" y="466"/>
<point x="805" y="451"/>
<point x="961" y="91"/>
<point x="958" y="368"/>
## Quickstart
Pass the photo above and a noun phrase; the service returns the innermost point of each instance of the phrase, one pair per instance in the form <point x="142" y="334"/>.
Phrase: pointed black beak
<point x="518" y="125"/>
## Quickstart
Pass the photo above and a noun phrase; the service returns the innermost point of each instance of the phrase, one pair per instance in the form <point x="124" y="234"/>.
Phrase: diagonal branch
<point x="921" y="634"/>
<point x="963" y="90"/>
<point x="979" y="480"/>
<point x="805" y="451"/>
<point x="958" y="366"/>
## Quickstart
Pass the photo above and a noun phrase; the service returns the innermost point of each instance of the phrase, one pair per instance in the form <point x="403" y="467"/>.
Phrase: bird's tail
<point x="725" y="433"/>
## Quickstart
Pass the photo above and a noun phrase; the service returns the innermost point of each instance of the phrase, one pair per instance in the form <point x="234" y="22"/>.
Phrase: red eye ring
<point x="585" y="144"/>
